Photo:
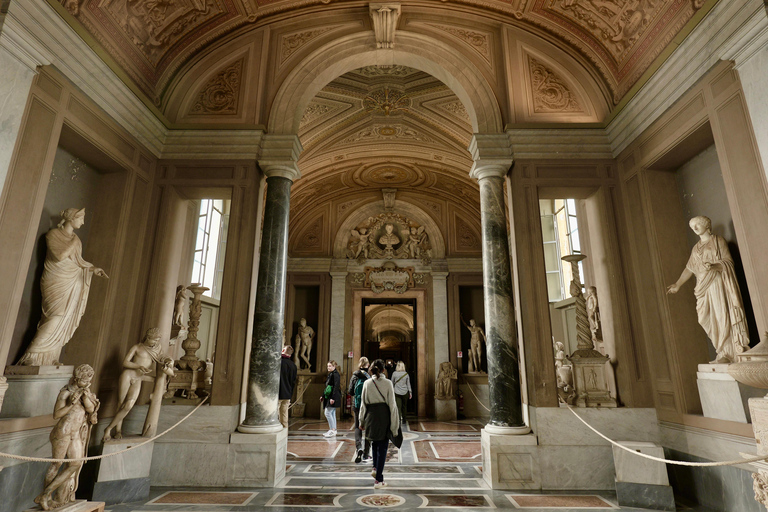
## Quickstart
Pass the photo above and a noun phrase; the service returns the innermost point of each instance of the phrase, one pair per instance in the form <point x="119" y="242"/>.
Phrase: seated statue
<point x="75" y="410"/>
<point x="137" y="369"/>
<point x="445" y="387"/>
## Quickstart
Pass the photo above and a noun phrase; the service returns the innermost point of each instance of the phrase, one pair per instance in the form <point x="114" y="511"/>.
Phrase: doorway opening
<point x="389" y="333"/>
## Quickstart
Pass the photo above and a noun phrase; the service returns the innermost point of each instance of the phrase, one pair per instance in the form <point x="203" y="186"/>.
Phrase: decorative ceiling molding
<point x="291" y="43"/>
<point x="384" y="18"/>
<point x="550" y="93"/>
<point x="481" y="42"/>
<point x="388" y="132"/>
<point x="220" y="95"/>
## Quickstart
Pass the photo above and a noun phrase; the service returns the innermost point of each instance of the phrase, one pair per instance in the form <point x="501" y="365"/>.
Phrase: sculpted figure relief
<point x="179" y="305"/>
<point x="137" y="366"/>
<point x="360" y="243"/>
<point x="445" y="387"/>
<point x="414" y="243"/>
<point x="75" y="410"/>
<point x="475" y="345"/>
<point x="593" y="314"/>
<point x="304" y="345"/>
<point x="718" y="299"/>
<point x="389" y="238"/>
<point x="65" y="285"/>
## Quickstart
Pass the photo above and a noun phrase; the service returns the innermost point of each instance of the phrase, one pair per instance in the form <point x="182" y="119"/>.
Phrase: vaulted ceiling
<point x="153" y="44"/>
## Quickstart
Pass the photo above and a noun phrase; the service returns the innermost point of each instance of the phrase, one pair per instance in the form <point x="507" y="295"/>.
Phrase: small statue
<point x="75" y="410"/>
<point x="593" y="314"/>
<point x="445" y="387"/>
<point x="303" y="347"/>
<point x="179" y="305"/>
<point x="475" y="345"/>
<point x="359" y="243"/>
<point x="65" y="285"/>
<point x="718" y="299"/>
<point x="414" y="242"/>
<point x="137" y="368"/>
<point x="563" y="374"/>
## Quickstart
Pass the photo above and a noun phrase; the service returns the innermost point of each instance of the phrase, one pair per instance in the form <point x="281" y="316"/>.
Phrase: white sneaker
<point x="330" y="433"/>
<point x="379" y="485"/>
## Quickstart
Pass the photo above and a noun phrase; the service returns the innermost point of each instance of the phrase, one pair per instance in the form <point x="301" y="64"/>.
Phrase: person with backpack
<point x="380" y="419"/>
<point x="331" y="397"/>
<point x="402" y="383"/>
<point x="356" y="383"/>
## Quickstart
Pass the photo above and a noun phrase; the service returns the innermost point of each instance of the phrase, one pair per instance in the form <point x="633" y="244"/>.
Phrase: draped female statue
<point x="65" y="285"/>
<point x="718" y="300"/>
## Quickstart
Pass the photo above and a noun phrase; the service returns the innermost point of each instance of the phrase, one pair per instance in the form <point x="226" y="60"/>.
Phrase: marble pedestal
<point x="640" y="482"/>
<point x="32" y="390"/>
<point x="721" y="396"/>
<point x="590" y="379"/>
<point x="257" y="460"/>
<point x="124" y="478"/>
<point x="445" y="410"/>
<point x="76" y="506"/>
<point x="510" y="461"/>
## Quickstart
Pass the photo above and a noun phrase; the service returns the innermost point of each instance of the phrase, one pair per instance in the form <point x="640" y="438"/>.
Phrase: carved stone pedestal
<point x="125" y="477"/>
<point x="590" y="378"/>
<point x="76" y="506"/>
<point x="445" y="410"/>
<point x="510" y="461"/>
<point x="640" y="482"/>
<point x="32" y="390"/>
<point x="722" y="397"/>
<point x="257" y="460"/>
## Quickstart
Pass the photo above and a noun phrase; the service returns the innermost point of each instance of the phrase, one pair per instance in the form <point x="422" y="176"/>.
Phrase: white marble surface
<point x="558" y="426"/>
<point x="577" y="467"/>
<point x="445" y="410"/>
<point x="721" y="396"/>
<point x="31" y="395"/>
<point x="257" y="460"/>
<point x="210" y="424"/>
<point x="15" y="81"/>
<point x="706" y="444"/>
<point x="440" y="312"/>
<point x="132" y="464"/>
<point x="338" y="310"/>
<point x="190" y="464"/>
<point x="30" y="443"/>
<point x="510" y="461"/>
<point x="635" y="469"/>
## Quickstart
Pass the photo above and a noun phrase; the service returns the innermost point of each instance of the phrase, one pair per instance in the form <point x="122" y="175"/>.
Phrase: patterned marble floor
<point x="438" y="468"/>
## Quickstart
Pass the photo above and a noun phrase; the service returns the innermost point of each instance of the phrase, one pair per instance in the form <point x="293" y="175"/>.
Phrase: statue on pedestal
<point x="75" y="410"/>
<point x="445" y="387"/>
<point x="475" y="345"/>
<point x="718" y="299"/>
<point x="304" y="346"/>
<point x="65" y="285"/>
<point x="593" y="315"/>
<point x="179" y="305"/>
<point x="137" y="369"/>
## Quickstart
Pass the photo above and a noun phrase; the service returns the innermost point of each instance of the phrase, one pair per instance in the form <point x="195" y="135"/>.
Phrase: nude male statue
<point x="475" y="347"/>
<point x="137" y="369"/>
<point x="75" y="410"/>
<point x="304" y="345"/>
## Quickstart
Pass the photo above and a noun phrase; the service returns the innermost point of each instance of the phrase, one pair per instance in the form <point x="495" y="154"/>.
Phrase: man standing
<point x="287" y="381"/>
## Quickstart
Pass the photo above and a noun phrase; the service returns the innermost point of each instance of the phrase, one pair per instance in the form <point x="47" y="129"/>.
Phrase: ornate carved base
<point x="192" y="383"/>
<point x="591" y="379"/>
<point x="297" y="411"/>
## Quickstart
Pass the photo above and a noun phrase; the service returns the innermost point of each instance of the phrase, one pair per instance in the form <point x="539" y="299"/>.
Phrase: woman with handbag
<point x="331" y="397"/>
<point x="402" y="382"/>
<point x="379" y="417"/>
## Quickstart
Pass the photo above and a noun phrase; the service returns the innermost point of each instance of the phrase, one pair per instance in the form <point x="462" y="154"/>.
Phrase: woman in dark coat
<point x="378" y="414"/>
<point x="331" y="397"/>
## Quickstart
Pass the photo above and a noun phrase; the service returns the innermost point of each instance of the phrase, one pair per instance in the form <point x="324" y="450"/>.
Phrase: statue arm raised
<point x="684" y="277"/>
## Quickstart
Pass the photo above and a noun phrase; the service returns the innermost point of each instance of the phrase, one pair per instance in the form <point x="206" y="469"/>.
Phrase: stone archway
<point x="413" y="50"/>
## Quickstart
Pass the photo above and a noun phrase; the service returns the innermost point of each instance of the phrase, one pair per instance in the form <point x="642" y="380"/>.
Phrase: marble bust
<point x="75" y="411"/>
<point x="718" y="299"/>
<point x="65" y="285"/>
<point x="389" y="238"/>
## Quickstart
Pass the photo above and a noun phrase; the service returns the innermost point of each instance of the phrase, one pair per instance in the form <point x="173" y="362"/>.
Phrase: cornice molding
<point x="559" y="143"/>
<point x="213" y="144"/>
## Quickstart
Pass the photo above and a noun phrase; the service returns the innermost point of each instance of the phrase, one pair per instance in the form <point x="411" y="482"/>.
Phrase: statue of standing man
<point x="475" y="345"/>
<point x="304" y="345"/>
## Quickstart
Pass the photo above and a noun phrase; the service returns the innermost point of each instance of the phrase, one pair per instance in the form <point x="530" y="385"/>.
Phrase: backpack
<point x="359" y="390"/>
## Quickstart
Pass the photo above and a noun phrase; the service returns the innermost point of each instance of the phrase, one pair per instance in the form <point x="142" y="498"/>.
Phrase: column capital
<point x="279" y="156"/>
<point x="492" y="154"/>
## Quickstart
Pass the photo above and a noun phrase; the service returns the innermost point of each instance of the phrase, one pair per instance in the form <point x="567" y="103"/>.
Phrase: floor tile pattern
<point x="562" y="502"/>
<point x="456" y="501"/>
<point x="204" y="498"/>
<point x="446" y="451"/>
<point x="381" y="500"/>
<point x="302" y="499"/>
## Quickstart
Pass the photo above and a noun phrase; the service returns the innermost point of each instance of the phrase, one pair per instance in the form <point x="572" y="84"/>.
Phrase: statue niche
<point x="389" y="236"/>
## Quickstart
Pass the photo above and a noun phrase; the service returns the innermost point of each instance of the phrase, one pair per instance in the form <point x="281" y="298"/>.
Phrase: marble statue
<point x="389" y="238"/>
<point x="137" y="369"/>
<point x="359" y="243"/>
<point x="179" y="305"/>
<point x="718" y="299"/>
<point x="65" y="285"/>
<point x="445" y="387"/>
<point x="593" y="314"/>
<point x="75" y="409"/>
<point x="414" y="243"/>
<point x="475" y="345"/>
<point x="303" y="346"/>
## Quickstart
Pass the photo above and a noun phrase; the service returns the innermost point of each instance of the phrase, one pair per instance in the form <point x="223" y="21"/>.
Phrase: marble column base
<point x="257" y="460"/>
<point x="76" y="506"/>
<point x="510" y="461"/>
<point x="445" y="410"/>
<point x="721" y="396"/>
<point x="34" y="393"/>
<point x="124" y="478"/>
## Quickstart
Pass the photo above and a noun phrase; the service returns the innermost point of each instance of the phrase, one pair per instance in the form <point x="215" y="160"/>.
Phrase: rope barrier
<point x="97" y="457"/>
<point x="478" y="400"/>
<point x="666" y="461"/>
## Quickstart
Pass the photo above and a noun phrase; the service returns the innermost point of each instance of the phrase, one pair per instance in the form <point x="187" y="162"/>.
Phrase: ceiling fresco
<point x="150" y="41"/>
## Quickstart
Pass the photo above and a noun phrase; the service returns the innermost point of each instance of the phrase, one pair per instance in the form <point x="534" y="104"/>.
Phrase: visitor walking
<point x="356" y="390"/>
<point x="287" y="381"/>
<point x="378" y="414"/>
<point x="331" y="397"/>
<point x="389" y="369"/>
<point x="402" y="384"/>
